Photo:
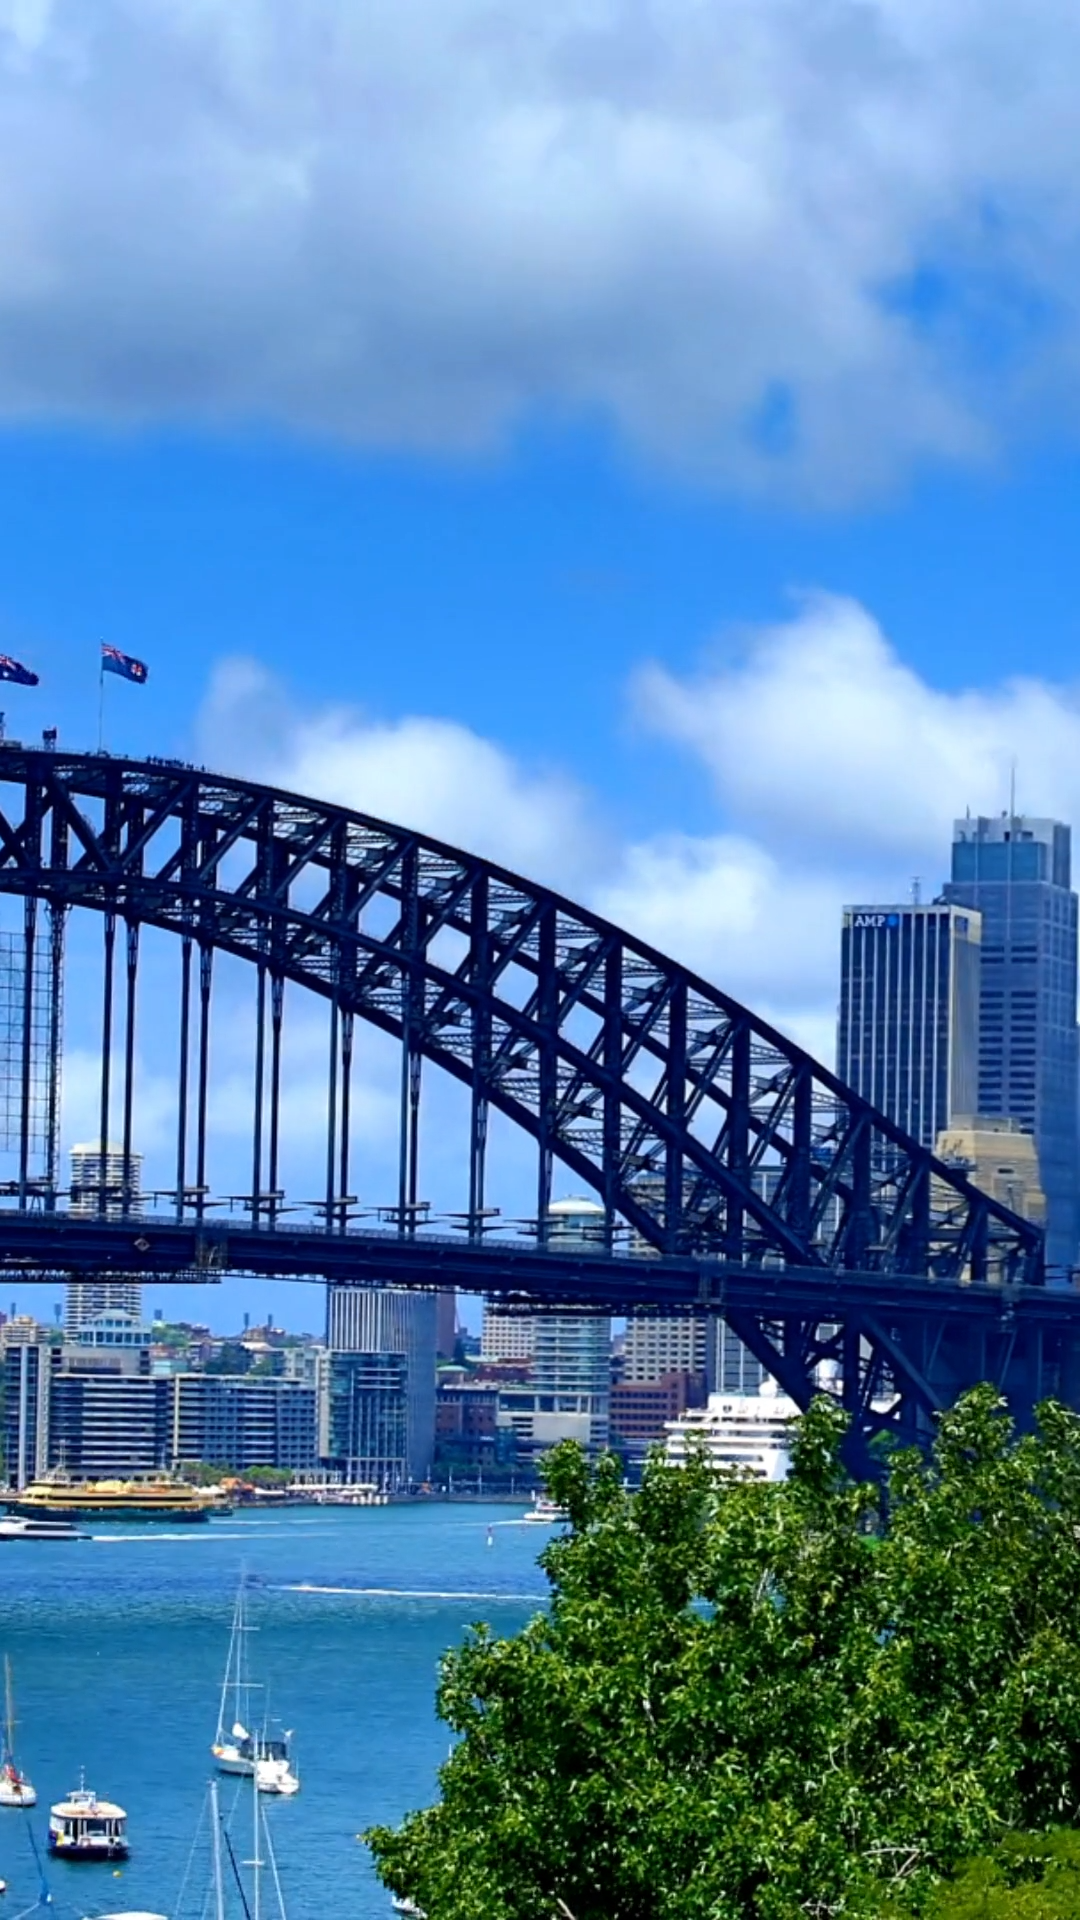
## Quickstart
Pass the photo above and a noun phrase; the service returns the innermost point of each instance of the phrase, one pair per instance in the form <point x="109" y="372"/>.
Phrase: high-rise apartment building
<point x="388" y="1321"/>
<point x="101" y="1183"/>
<point x="365" y="1427"/>
<point x="1016" y="871"/>
<point x="908" y="1037"/>
<point x="661" y="1343"/>
<point x="506" y="1336"/>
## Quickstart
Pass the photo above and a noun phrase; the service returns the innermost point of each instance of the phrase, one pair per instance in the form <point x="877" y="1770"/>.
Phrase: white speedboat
<point x="545" y="1513"/>
<point x="23" y="1527"/>
<point x="236" y="1749"/>
<point x="15" y="1788"/>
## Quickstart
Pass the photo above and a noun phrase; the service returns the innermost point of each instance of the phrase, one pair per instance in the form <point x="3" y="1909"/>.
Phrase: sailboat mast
<point x="219" y="1889"/>
<point x="225" y="1683"/>
<point x="256" y="1864"/>
<point x="241" y="1623"/>
<point x="9" y="1710"/>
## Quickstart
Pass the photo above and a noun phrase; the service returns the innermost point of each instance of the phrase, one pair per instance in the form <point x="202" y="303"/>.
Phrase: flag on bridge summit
<point x="113" y="661"/>
<point x="14" y="670"/>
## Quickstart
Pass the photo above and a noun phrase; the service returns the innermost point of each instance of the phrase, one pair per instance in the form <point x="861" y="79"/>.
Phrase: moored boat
<point x="82" y="1827"/>
<point x="235" y="1749"/>
<point x="15" y="1789"/>
<point x="61" y="1497"/>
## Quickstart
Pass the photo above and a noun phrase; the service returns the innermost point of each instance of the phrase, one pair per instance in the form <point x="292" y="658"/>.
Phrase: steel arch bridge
<point x="731" y="1173"/>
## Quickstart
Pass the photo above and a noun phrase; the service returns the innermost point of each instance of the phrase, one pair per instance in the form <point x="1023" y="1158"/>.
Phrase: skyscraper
<point x="572" y="1351"/>
<point x="100" y="1184"/>
<point x="908" y="1036"/>
<point x="1016" y="871"/>
<point x="390" y="1321"/>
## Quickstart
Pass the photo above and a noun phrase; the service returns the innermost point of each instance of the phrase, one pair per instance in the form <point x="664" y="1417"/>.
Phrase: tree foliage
<point x="751" y="1702"/>
<point x="1028" y="1877"/>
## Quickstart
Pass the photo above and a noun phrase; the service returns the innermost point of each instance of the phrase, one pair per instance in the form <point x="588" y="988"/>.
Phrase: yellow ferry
<point x="160" y="1498"/>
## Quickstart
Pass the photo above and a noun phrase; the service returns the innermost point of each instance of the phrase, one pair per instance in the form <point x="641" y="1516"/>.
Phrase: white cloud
<point x="816" y="240"/>
<point x="422" y="772"/>
<point x="837" y="769"/>
<point x="838" y="772"/>
<point x="821" y="741"/>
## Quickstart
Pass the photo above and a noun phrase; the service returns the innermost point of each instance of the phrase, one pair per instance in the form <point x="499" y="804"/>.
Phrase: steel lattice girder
<point x="702" y="1130"/>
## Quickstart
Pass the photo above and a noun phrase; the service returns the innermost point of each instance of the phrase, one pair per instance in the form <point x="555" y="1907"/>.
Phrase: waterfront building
<point x="908" y="1037"/>
<point x="746" y="1431"/>
<point x="391" y="1321"/>
<point x="1016" y="870"/>
<point x="240" y="1421"/>
<point x="468" y="1437"/>
<point x="364" y="1419"/>
<point x="102" y="1183"/>
<point x="27" y="1368"/>
<point x="106" y="1421"/>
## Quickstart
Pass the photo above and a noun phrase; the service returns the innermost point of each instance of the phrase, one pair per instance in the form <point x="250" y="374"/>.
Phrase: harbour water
<point x="118" y="1647"/>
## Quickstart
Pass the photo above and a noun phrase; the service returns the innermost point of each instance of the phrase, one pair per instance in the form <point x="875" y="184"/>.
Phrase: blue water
<point x="118" y="1646"/>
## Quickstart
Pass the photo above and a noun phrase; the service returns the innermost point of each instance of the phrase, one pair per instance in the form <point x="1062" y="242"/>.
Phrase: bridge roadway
<point x="933" y="1336"/>
<point x="37" y="1245"/>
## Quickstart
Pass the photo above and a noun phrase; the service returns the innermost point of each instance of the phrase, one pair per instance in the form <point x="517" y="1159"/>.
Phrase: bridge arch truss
<point x="712" y="1143"/>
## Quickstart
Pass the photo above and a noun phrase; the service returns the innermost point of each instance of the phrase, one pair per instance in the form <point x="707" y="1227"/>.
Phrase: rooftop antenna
<point x="916" y="891"/>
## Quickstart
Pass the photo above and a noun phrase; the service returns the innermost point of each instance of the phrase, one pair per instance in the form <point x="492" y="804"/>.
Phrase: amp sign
<point x="876" y="920"/>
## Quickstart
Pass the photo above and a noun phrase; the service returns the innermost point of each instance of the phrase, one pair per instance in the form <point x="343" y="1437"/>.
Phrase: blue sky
<point x="638" y="440"/>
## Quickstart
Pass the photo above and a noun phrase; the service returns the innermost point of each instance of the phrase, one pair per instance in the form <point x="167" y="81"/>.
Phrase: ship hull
<point x="87" y="1849"/>
<point x="75" y="1510"/>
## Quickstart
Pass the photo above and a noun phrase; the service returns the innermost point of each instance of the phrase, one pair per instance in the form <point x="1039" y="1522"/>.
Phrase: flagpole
<point x="101" y="705"/>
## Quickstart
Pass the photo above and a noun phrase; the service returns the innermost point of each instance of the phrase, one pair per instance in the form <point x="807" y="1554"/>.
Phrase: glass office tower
<point x="1017" y="872"/>
<point x="909" y="1013"/>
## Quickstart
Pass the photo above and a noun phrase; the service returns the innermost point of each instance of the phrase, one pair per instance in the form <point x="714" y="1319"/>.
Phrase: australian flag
<point x="113" y="661"/>
<point x="14" y="670"/>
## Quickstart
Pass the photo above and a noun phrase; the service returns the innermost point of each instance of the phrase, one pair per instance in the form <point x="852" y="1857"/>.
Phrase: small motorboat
<point x="15" y="1788"/>
<point x="545" y="1513"/>
<point x="82" y="1827"/>
<point x="22" y="1527"/>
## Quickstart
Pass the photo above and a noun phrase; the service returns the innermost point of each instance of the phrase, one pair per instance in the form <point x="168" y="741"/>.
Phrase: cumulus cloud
<point x="805" y="241"/>
<point x="824" y="742"/>
<point x="419" y="771"/>
<point x="837" y="771"/>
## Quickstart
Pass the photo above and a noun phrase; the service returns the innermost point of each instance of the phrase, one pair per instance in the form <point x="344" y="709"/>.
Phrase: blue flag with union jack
<point x="113" y="661"/>
<point x="14" y="670"/>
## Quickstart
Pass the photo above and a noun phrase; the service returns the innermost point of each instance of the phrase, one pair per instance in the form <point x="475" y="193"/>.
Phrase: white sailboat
<point x="15" y="1788"/>
<point x="236" y="1748"/>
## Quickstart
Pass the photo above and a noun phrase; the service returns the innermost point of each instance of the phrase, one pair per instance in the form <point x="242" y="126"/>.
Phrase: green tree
<point x="748" y="1702"/>
<point x="1028" y="1877"/>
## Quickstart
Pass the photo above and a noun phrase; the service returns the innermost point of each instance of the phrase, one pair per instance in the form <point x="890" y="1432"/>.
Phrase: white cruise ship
<point x="747" y="1430"/>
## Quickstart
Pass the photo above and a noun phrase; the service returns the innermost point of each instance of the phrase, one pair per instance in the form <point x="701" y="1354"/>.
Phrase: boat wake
<point x="410" y="1593"/>
<point x="156" y="1533"/>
